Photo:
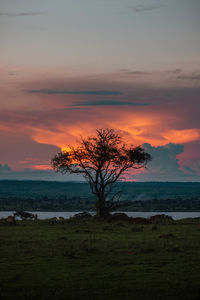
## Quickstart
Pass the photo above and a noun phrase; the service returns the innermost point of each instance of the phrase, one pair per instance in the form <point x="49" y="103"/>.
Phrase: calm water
<point x="66" y="215"/>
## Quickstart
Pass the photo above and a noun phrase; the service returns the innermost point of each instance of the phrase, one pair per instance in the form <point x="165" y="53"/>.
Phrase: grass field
<point x="94" y="259"/>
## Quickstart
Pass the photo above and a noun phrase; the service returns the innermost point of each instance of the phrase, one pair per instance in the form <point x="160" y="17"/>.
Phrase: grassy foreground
<point x="94" y="259"/>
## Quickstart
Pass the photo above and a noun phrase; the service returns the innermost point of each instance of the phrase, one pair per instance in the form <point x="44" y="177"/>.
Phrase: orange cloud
<point x="135" y="128"/>
<point x="182" y="136"/>
<point x="62" y="135"/>
<point x="41" y="167"/>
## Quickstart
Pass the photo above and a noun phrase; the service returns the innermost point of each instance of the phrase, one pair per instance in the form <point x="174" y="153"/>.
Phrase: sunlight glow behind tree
<point x="102" y="159"/>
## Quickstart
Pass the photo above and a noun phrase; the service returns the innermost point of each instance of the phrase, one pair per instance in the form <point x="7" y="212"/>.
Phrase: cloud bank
<point x="165" y="165"/>
<point x="144" y="7"/>
<point x="4" y="168"/>
<point x="108" y="102"/>
<point x="66" y="92"/>
<point x="20" y="14"/>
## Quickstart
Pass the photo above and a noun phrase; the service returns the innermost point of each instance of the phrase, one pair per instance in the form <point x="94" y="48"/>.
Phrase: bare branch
<point x="102" y="159"/>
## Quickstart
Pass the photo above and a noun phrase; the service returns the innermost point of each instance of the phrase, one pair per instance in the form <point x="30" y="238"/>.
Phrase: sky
<point x="69" y="67"/>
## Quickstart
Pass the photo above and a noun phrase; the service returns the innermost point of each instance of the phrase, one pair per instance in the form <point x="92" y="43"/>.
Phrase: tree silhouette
<point x="102" y="159"/>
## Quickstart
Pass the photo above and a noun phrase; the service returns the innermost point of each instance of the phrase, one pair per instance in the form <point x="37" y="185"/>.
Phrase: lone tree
<point x="102" y="159"/>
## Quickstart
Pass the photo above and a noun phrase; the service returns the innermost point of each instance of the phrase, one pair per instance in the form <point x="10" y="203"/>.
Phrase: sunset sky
<point x="68" y="67"/>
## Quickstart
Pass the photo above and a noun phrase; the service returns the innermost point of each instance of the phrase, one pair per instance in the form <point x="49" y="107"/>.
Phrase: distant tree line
<point x="67" y="190"/>
<point x="46" y="203"/>
<point x="76" y="203"/>
<point x="177" y="204"/>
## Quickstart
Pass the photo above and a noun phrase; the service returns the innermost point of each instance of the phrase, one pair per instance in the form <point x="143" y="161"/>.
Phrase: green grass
<point x="98" y="260"/>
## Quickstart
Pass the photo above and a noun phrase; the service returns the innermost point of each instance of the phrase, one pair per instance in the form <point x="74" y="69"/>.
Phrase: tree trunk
<point x="101" y="209"/>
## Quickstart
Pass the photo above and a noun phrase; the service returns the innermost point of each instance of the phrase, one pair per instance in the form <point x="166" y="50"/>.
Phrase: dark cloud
<point x="140" y="72"/>
<point x="176" y="71"/>
<point x="68" y="92"/>
<point x="30" y="174"/>
<point x="77" y="108"/>
<point x="7" y="173"/>
<point x="194" y="76"/>
<point x="140" y="87"/>
<point x="136" y="72"/>
<point x="21" y="14"/>
<point x="4" y="168"/>
<point x="109" y="102"/>
<point x="165" y="165"/>
<point x="164" y="157"/>
<point x="144" y="7"/>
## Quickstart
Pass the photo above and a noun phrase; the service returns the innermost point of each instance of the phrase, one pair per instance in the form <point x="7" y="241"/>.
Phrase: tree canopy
<point x="101" y="159"/>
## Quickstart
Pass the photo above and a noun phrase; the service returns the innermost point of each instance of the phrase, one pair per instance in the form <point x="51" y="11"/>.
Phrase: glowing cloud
<point x="182" y="136"/>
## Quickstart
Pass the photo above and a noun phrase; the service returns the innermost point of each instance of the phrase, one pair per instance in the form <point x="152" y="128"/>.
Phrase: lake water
<point x="49" y="214"/>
